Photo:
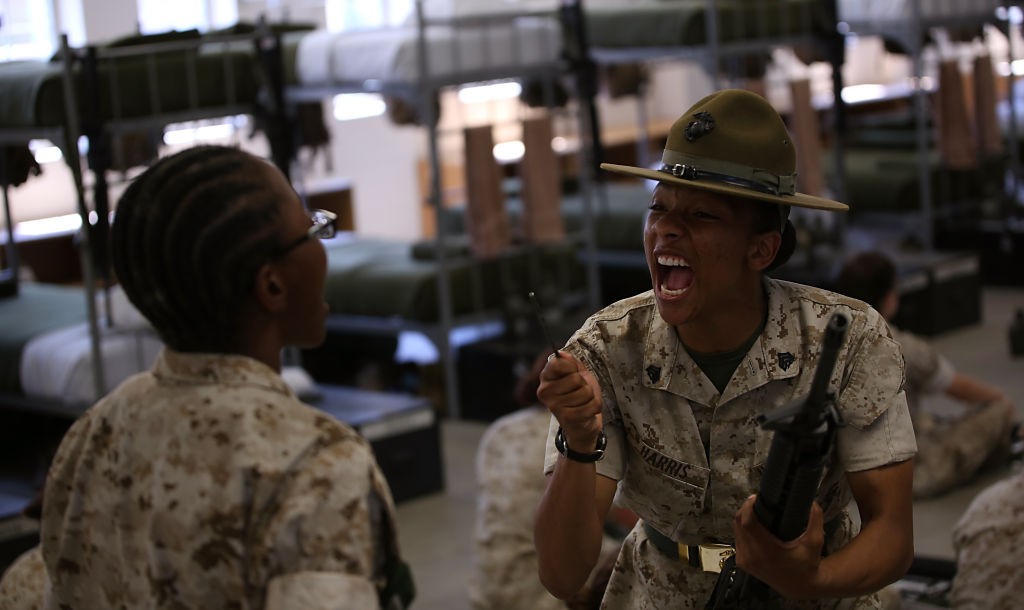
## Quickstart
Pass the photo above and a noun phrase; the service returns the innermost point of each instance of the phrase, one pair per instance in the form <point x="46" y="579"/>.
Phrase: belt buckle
<point x="713" y="556"/>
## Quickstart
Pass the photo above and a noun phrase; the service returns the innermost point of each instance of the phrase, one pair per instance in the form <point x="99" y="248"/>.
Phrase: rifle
<point x="804" y="435"/>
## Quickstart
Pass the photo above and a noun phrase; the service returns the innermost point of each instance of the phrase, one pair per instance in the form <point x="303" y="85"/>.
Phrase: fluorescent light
<point x="507" y="152"/>
<point x="44" y="151"/>
<point x="350" y="106"/>
<point x="488" y="93"/>
<point x="853" y="94"/>
<point x="197" y="132"/>
<point x="1017" y="66"/>
<point x="68" y="223"/>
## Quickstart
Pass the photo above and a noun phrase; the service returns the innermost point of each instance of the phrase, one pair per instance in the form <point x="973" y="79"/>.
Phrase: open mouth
<point x="675" y="276"/>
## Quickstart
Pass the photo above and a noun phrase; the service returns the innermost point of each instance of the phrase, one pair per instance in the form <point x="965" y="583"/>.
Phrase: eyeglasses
<point x="322" y="228"/>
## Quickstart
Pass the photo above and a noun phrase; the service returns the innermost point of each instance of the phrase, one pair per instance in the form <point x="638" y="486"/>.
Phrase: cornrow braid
<point x="187" y="239"/>
<point x="868" y="277"/>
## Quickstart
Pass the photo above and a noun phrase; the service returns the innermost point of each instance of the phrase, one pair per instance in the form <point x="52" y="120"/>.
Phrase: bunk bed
<point x="443" y="283"/>
<point x="705" y="30"/>
<point x="939" y="170"/>
<point x="38" y="101"/>
<point x="65" y="346"/>
<point x="136" y="85"/>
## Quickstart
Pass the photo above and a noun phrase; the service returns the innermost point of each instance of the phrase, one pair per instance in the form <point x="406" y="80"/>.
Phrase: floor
<point x="436" y="531"/>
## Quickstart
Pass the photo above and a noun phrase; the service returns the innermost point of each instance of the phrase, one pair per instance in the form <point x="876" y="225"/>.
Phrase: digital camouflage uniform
<point x="989" y="550"/>
<point x="24" y="583"/>
<point x="205" y="483"/>
<point x="508" y="469"/>
<point x="950" y="450"/>
<point x="660" y="411"/>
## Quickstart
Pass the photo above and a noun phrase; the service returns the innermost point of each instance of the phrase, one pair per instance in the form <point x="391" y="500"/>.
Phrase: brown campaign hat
<point x="733" y="142"/>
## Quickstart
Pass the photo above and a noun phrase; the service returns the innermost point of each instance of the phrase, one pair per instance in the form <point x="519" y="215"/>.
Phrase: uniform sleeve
<point x="326" y="534"/>
<point x="988" y="551"/>
<point x="511" y="486"/>
<point x="872" y="401"/>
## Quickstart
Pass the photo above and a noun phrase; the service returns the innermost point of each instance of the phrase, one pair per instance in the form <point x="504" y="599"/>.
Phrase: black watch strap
<point x="576" y="456"/>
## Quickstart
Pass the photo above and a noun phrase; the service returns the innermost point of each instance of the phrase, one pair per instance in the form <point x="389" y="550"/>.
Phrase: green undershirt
<point x="720" y="366"/>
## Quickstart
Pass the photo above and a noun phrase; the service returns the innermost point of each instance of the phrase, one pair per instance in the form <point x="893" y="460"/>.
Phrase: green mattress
<point x="671" y="23"/>
<point x="381" y="278"/>
<point x="36" y="309"/>
<point x="32" y="95"/>
<point x="887" y="179"/>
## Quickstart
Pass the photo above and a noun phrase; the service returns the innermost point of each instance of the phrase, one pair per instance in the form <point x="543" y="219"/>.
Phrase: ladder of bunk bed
<point x="71" y="155"/>
<point x="426" y="109"/>
<point x="424" y="95"/>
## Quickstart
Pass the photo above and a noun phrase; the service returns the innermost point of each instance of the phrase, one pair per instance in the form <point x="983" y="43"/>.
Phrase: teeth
<point x="672" y="261"/>
<point x="671" y="293"/>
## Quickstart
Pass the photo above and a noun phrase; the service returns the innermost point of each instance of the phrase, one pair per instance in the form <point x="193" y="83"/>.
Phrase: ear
<point x="762" y="250"/>
<point x="890" y="304"/>
<point x="269" y="288"/>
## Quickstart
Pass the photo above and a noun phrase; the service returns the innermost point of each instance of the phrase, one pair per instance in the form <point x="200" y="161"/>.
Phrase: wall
<point x="380" y="158"/>
<point x="89" y="21"/>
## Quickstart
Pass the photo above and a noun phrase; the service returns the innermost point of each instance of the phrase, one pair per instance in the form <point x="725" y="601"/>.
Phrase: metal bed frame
<point x="909" y="32"/>
<point x="81" y="83"/>
<point x="420" y="94"/>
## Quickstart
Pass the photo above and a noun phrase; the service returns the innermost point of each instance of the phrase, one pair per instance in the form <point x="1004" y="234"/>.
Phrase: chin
<point x="674" y="312"/>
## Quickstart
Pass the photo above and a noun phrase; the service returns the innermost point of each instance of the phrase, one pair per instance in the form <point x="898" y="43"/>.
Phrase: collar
<point x="776" y="354"/>
<point x="232" y="370"/>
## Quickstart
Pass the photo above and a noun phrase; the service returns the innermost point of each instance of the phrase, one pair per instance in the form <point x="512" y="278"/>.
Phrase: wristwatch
<point x="576" y="456"/>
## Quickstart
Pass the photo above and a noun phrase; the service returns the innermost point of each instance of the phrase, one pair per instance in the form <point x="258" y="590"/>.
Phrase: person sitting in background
<point x="205" y="482"/>
<point x="989" y="553"/>
<point x="509" y="469"/>
<point x="951" y="451"/>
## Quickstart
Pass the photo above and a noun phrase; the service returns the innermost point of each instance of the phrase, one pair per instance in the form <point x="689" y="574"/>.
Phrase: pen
<point x="540" y="319"/>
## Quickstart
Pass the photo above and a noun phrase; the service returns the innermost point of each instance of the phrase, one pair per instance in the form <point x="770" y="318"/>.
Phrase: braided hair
<point x="867" y="276"/>
<point x="189" y="235"/>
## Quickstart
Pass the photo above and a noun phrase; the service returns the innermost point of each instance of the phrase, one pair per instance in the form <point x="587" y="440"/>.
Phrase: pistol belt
<point x="707" y="557"/>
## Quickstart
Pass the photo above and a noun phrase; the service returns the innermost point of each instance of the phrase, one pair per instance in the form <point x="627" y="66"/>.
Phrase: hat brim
<point x="798" y="199"/>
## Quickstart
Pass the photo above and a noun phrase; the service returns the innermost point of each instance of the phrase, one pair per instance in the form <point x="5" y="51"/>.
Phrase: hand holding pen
<point x="570" y="392"/>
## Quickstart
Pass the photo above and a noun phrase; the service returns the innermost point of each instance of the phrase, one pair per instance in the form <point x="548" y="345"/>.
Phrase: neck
<point x="259" y="341"/>
<point x="728" y="328"/>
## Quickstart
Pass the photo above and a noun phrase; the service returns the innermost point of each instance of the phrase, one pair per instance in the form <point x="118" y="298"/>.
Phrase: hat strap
<point x="701" y="168"/>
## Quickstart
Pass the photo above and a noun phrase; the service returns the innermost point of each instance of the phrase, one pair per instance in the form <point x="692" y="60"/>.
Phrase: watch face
<point x="576" y="456"/>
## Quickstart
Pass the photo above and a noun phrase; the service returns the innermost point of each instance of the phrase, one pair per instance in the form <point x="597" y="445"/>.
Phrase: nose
<point x="668" y="225"/>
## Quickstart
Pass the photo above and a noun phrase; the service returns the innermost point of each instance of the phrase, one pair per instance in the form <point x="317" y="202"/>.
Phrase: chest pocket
<point x="662" y="488"/>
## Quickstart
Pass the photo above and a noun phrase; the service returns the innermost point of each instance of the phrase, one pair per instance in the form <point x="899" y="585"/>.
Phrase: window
<point x="26" y="30"/>
<point x="360" y="14"/>
<point x="160" y="15"/>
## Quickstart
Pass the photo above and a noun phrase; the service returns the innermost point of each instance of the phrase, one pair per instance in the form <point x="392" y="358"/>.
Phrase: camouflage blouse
<point x="989" y="553"/>
<point x="511" y="484"/>
<point x="686" y="456"/>
<point x="205" y="483"/>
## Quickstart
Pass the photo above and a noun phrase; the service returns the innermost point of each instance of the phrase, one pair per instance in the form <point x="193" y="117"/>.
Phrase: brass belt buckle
<point x="713" y="556"/>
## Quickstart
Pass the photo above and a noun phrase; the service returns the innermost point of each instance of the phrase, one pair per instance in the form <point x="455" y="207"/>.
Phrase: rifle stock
<point x="803" y="437"/>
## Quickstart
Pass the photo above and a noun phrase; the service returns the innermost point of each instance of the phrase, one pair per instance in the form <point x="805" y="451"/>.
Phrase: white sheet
<point x="902" y="10"/>
<point x="58" y="365"/>
<point x="392" y="54"/>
